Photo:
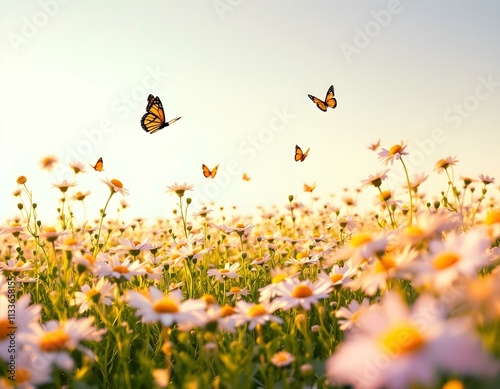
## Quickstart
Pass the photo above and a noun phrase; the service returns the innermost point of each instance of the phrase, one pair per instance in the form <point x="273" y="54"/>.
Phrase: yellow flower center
<point x="301" y="291"/>
<point x="492" y="217"/>
<point x="209" y="299"/>
<point x="121" y="269"/>
<point x="15" y="224"/>
<point x="444" y="260"/>
<point x="414" y="231"/>
<point x="136" y="243"/>
<point x="166" y="305"/>
<point x="4" y="323"/>
<point x="235" y="289"/>
<point x="70" y="242"/>
<point x="54" y="341"/>
<point x="385" y="195"/>
<point x="355" y="316"/>
<point x="21" y="180"/>
<point x="224" y="271"/>
<point x="257" y="310"/>
<point x="402" y="339"/>
<point x="453" y="384"/>
<point x="336" y="277"/>
<point x="384" y="264"/>
<point x="91" y="293"/>
<point x="117" y="183"/>
<point x="240" y="225"/>
<point x="22" y="376"/>
<point x="278" y="278"/>
<point x="302" y="254"/>
<point x="227" y="310"/>
<point x="395" y="149"/>
<point x="360" y="239"/>
<point x="89" y="258"/>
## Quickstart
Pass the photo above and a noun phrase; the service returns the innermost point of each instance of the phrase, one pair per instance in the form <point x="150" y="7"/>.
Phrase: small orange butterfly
<point x="98" y="166"/>
<point x="207" y="173"/>
<point x="330" y="100"/>
<point x="374" y="146"/>
<point x="299" y="155"/>
<point x="309" y="188"/>
<point x="245" y="177"/>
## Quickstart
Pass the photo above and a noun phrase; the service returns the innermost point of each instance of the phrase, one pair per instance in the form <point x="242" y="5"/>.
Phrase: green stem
<point x="410" y="215"/>
<point x="103" y="213"/>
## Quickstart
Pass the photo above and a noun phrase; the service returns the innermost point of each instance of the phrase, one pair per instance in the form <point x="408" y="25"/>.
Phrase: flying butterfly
<point x="245" y="177"/>
<point x="209" y="173"/>
<point x="330" y="100"/>
<point x="299" y="155"/>
<point x="154" y="119"/>
<point x="374" y="146"/>
<point x="98" y="167"/>
<point x="309" y="188"/>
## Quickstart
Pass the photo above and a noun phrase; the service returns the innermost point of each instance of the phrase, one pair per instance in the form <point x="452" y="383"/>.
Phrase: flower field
<point x="405" y="295"/>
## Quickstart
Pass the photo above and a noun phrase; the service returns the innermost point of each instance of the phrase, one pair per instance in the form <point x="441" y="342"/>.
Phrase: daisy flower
<point x="79" y="196"/>
<point x="120" y="270"/>
<point x="282" y="359"/>
<point x="394" y="153"/>
<point x="444" y="164"/>
<point x="134" y="247"/>
<point x="459" y="255"/>
<point x="64" y="185"/>
<point x="31" y="371"/>
<point x="77" y="167"/>
<point x="54" y="341"/>
<point x="396" y="347"/>
<point x="254" y="314"/>
<point x="51" y="234"/>
<point x="236" y="292"/>
<point x="338" y="275"/>
<point x="346" y="223"/>
<point x="375" y="179"/>
<point x="102" y="293"/>
<point x="15" y="266"/>
<point x="115" y="186"/>
<point x="241" y="228"/>
<point x="179" y="189"/>
<point x="486" y="179"/>
<point x="268" y="292"/>
<point x="229" y="271"/>
<point x="418" y="179"/>
<point x="168" y="309"/>
<point x="348" y="317"/>
<point x="295" y="292"/>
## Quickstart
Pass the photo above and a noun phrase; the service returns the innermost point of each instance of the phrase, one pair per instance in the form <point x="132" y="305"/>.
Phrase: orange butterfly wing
<point x="154" y="119"/>
<point x="330" y="100"/>
<point x="300" y="155"/>
<point x="309" y="188"/>
<point x="245" y="177"/>
<point x="99" y="166"/>
<point x="207" y="173"/>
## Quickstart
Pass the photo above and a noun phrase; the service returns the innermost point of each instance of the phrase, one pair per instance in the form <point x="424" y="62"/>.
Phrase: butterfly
<point x="98" y="165"/>
<point x="309" y="188"/>
<point x="299" y="155"/>
<point x="330" y="100"/>
<point x="245" y="177"/>
<point x="154" y="119"/>
<point x="207" y="173"/>
<point x="374" y="146"/>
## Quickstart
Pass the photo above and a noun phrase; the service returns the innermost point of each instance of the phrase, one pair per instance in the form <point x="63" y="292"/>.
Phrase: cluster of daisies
<point x="406" y="294"/>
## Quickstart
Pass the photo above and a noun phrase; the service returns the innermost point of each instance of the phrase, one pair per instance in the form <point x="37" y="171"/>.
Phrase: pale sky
<point x="75" y="76"/>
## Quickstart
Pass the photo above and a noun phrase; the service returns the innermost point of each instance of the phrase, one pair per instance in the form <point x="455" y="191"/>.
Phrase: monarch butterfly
<point x="98" y="165"/>
<point x="374" y="146"/>
<point x="207" y="173"/>
<point x="330" y="100"/>
<point x="309" y="188"/>
<point x="245" y="177"/>
<point x="154" y="119"/>
<point x="299" y="155"/>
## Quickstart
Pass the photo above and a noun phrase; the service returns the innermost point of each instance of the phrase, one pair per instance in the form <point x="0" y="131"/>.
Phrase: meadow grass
<point x="404" y="295"/>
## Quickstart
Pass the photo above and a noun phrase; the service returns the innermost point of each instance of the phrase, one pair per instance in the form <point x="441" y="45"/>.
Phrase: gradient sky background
<point x="232" y="69"/>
